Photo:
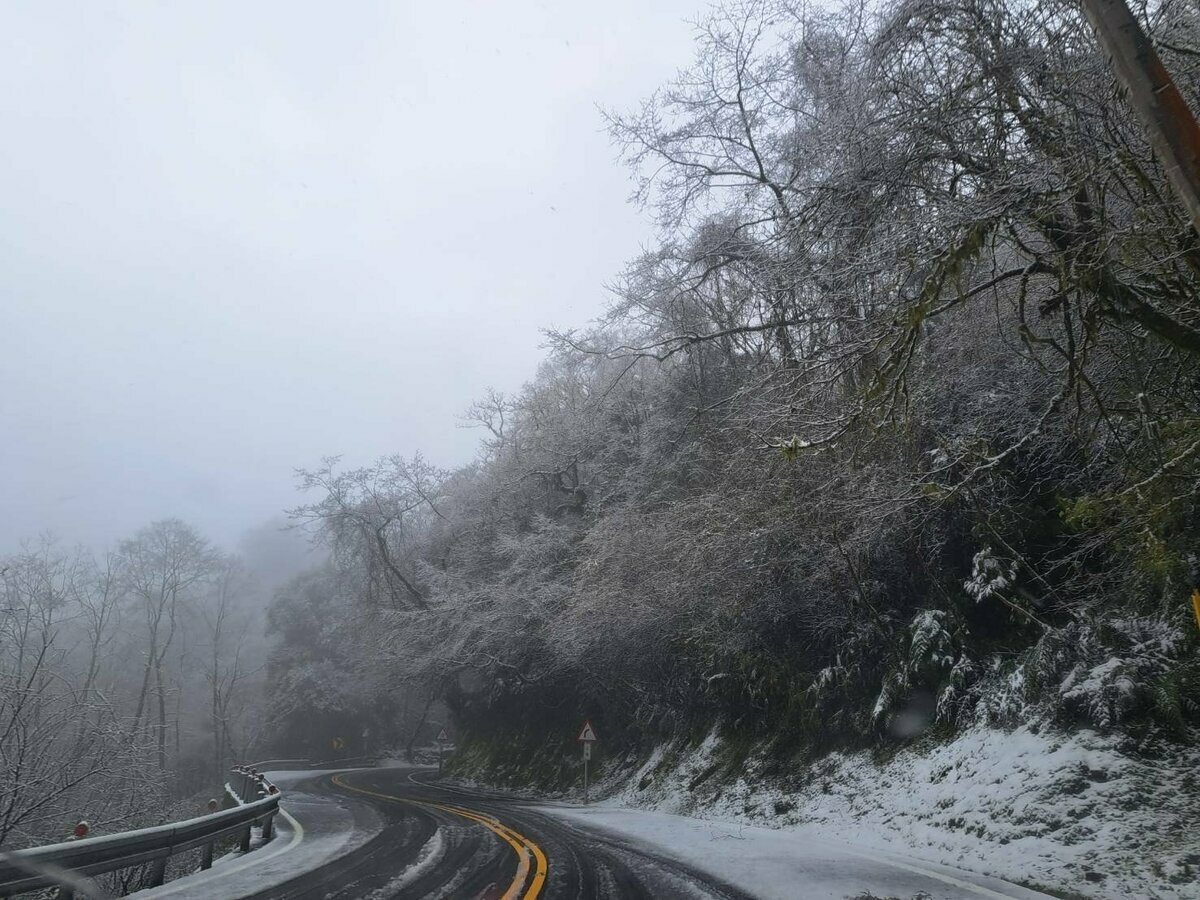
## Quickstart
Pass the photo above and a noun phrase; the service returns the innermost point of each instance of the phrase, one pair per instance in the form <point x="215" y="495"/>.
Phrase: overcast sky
<point x="236" y="237"/>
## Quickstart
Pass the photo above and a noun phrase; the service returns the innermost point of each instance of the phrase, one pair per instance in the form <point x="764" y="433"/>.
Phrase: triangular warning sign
<point x="588" y="733"/>
<point x="442" y="736"/>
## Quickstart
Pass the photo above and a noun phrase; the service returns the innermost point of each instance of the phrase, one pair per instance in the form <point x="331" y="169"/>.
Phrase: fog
<point x="868" y="509"/>
<point x="236" y="238"/>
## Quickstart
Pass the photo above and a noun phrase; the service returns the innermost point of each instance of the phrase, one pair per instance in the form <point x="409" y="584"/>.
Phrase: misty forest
<point x="893" y="432"/>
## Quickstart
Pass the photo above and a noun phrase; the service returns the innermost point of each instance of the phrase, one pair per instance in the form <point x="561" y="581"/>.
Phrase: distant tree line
<point x="128" y="682"/>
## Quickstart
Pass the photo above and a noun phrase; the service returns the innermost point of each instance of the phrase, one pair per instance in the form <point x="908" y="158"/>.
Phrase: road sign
<point x="442" y="738"/>
<point x="1196" y="605"/>
<point x="587" y="737"/>
<point x="338" y="743"/>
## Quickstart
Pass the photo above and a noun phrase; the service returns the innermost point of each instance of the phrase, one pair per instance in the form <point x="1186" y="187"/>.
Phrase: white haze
<point x="237" y="237"/>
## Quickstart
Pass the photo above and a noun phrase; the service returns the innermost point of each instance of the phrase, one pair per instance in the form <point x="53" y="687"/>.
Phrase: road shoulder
<point x="770" y="864"/>
<point x="316" y="829"/>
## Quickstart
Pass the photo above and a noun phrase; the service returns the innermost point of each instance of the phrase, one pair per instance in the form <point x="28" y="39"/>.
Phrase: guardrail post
<point x="206" y="852"/>
<point x="158" y="871"/>
<point x="245" y="844"/>
<point x="268" y="828"/>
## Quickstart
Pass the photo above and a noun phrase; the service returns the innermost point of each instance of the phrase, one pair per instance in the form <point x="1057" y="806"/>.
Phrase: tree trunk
<point x="162" y="717"/>
<point x="416" y="732"/>
<point x="218" y="746"/>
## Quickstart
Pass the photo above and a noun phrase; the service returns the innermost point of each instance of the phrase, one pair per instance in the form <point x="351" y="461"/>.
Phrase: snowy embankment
<point x="1068" y="813"/>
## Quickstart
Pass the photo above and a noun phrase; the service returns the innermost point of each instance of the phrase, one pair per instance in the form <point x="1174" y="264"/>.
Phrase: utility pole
<point x="1168" y="121"/>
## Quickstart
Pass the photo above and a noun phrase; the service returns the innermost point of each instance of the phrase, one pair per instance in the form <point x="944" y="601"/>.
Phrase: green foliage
<point x="1081" y="514"/>
<point x="1176" y="695"/>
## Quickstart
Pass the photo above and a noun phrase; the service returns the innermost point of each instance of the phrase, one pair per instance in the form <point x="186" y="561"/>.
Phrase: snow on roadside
<point x="1061" y="811"/>
<point x="770" y="863"/>
<point x="428" y="859"/>
<point x="330" y="827"/>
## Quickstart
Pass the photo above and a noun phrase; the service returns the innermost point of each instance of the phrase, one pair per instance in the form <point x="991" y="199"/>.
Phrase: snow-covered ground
<point x="312" y="830"/>
<point x="1065" y="812"/>
<point x="799" y="862"/>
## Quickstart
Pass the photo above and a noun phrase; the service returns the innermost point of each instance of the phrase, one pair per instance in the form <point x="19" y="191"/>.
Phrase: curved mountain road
<point x="443" y="841"/>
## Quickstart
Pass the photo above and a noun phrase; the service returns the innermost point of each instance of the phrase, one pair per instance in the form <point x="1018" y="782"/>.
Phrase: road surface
<point x="443" y="841"/>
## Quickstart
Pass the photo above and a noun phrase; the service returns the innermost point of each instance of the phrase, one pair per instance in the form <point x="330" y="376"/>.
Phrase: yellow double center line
<point x="522" y="846"/>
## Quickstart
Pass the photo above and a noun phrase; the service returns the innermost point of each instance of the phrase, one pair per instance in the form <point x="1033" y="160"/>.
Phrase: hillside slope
<point x="1077" y="814"/>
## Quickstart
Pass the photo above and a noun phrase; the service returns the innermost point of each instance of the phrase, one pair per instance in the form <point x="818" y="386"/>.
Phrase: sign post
<point x="441" y="742"/>
<point x="587" y="737"/>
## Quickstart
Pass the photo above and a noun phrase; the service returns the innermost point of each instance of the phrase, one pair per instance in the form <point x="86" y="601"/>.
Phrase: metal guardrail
<point x="270" y="764"/>
<point x="347" y="761"/>
<point x="26" y="870"/>
<point x="278" y="764"/>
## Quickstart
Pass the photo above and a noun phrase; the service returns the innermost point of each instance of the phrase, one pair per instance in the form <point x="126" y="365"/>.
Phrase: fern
<point x="932" y="646"/>
<point x="934" y="659"/>
<point x="1176" y="695"/>
<point x="956" y="698"/>
<point x="895" y="685"/>
<point x="1114" y="671"/>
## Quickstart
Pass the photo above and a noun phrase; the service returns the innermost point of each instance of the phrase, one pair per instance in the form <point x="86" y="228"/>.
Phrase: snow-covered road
<point x="785" y="865"/>
<point x="399" y="833"/>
